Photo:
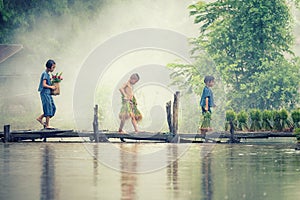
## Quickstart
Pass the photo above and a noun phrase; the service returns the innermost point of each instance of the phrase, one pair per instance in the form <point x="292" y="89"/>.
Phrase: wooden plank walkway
<point x="104" y="136"/>
<point x="169" y="137"/>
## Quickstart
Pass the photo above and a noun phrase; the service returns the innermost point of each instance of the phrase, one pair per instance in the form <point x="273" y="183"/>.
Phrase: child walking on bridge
<point x="129" y="105"/>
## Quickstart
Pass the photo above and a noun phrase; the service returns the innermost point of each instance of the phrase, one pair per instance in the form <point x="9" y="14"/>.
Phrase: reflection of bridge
<point x="104" y="136"/>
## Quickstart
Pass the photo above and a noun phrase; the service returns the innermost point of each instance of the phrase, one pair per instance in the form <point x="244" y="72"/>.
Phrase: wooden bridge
<point x="106" y="136"/>
<point x="168" y="137"/>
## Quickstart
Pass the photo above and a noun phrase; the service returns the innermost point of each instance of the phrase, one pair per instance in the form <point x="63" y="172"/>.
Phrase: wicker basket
<point x="57" y="89"/>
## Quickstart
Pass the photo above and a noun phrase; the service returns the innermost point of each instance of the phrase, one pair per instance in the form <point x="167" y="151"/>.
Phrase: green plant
<point x="297" y="134"/>
<point x="267" y="120"/>
<point x="255" y="117"/>
<point x="277" y="120"/>
<point x="242" y="118"/>
<point x="230" y="117"/>
<point x="206" y="120"/>
<point x="56" y="78"/>
<point x="285" y="122"/>
<point x="296" y="118"/>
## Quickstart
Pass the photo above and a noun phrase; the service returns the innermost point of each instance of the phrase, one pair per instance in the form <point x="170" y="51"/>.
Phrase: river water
<point x="149" y="171"/>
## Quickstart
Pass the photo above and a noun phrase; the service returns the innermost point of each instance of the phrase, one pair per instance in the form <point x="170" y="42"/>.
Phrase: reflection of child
<point x="45" y="88"/>
<point x="129" y="105"/>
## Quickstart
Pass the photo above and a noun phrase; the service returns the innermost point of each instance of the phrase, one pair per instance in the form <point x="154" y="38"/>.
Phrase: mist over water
<point x="19" y="75"/>
<point x="22" y="71"/>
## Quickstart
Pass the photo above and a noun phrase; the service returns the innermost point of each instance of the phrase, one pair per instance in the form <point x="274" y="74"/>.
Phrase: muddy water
<point x="149" y="171"/>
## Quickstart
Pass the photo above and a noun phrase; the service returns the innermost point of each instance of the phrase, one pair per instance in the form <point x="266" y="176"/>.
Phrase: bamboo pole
<point x="169" y="116"/>
<point x="95" y="124"/>
<point x="7" y="136"/>
<point x="231" y="132"/>
<point x="175" y="112"/>
<point x="233" y="138"/>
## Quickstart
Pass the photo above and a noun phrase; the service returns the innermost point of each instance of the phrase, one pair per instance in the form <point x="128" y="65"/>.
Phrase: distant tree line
<point x="20" y="16"/>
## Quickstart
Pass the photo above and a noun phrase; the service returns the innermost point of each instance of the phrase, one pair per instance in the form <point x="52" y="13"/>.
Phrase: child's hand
<point x="126" y="99"/>
<point x="53" y="87"/>
<point x="206" y="108"/>
<point x="129" y="98"/>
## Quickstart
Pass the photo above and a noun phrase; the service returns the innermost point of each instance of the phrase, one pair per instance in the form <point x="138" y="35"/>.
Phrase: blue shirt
<point x="45" y="76"/>
<point x="207" y="93"/>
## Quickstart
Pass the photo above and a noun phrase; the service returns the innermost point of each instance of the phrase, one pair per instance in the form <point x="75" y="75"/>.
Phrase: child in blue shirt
<point x="45" y="88"/>
<point x="207" y="98"/>
<point x="206" y="102"/>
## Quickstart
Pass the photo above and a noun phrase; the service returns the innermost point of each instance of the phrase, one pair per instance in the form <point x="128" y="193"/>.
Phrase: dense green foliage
<point x="21" y="16"/>
<point x="250" y="43"/>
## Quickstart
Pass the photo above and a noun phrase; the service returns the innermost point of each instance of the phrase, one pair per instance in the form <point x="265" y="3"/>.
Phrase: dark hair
<point x="50" y="63"/>
<point x="208" y="79"/>
<point x="135" y="76"/>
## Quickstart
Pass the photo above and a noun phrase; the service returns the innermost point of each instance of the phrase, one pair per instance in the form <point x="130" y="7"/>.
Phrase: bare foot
<point x="41" y="122"/>
<point x="49" y="127"/>
<point x="139" y="131"/>
<point x="122" y="132"/>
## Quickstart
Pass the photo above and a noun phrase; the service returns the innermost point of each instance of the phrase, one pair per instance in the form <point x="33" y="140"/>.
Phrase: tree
<point x="248" y="41"/>
<point x="21" y="16"/>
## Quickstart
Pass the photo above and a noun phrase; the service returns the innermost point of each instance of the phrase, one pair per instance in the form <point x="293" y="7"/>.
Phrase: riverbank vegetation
<point x="263" y="120"/>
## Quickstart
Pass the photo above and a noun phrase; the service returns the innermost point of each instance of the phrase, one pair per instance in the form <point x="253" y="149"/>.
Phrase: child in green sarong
<point x="129" y="105"/>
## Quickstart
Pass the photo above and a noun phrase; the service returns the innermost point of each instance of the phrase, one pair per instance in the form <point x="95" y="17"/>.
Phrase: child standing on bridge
<point x="129" y="105"/>
<point x="45" y="88"/>
<point x="207" y="101"/>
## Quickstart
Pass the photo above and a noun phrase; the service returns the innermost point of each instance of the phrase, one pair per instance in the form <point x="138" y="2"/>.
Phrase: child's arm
<point x="206" y="104"/>
<point x="122" y="90"/>
<point x="45" y="85"/>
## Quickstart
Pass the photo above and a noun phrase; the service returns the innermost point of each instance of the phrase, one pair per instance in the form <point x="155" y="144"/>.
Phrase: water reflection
<point x="5" y="171"/>
<point x="95" y="164"/>
<point x="208" y="172"/>
<point x="6" y="159"/>
<point x="207" y="183"/>
<point x="48" y="174"/>
<point x="128" y="161"/>
<point x="172" y="170"/>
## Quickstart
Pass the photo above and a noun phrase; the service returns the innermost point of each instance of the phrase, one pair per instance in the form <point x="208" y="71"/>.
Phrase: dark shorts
<point x="48" y="105"/>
